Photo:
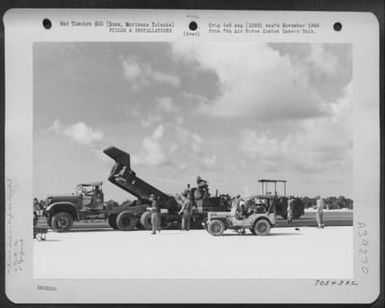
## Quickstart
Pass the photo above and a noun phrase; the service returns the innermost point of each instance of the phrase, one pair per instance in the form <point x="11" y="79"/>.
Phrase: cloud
<point x="257" y="80"/>
<point x="172" y="144"/>
<point x="191" y="141"/>
<point x="319" y="143"/>
<point x="151" y="119"/>
<point x="151" y="153"/>
<point x="274" y="154"/>
<point x="141" y="75"/>
<point x="166" y="104"/>
<point x="328" y="67"/>
<point x="209" y="161"/>
<point x="79" y="132"/>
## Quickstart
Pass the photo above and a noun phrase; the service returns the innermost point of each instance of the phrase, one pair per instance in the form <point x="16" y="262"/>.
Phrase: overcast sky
<point x="231" y="113"/>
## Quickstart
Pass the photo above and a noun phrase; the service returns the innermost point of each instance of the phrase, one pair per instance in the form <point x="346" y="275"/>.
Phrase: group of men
<point x="185" y="211"/>
<point x="186" y="199"/>
<point x="241" y="208"/>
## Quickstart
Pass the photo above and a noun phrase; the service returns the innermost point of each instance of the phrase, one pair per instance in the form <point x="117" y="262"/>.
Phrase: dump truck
<point x="87" y="203"/>
<point x="137" y="215"/>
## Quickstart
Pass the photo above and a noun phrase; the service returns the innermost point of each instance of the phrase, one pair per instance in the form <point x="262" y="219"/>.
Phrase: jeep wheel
<point x="62" y="221"/>
<point x="145" y="220"/>
<point x="216" y="227"/>
<point x="262" y="227"/>
<point x="112" y="222"/>
<point x="126" y="221"/>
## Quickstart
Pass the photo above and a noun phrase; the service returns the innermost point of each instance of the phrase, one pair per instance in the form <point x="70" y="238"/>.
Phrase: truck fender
<point x="71" y="206"/>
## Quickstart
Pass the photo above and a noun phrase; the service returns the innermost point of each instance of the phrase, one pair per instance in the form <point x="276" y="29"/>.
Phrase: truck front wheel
<point x="62" y="221"/>
<point x="126" y="221"/>
<point x="216" y="227"/>
<point x="145" y="220"/>
<point x="112" y="221"/>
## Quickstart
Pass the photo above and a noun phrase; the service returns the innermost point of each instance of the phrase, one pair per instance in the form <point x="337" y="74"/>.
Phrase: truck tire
<point x="216" y="227"/>
<point x="49" y="222"/>
<point x="126" y="221"/>
<point x="261" y="227"/>
<point x="62" y="221"/>
<point x="112" y="221"/>
<point x="145" y="220"/>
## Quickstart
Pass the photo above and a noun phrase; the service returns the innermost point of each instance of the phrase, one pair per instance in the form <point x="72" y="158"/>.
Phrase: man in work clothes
<point x="320" y="212"/>
<point x="155" y="215"/>
<point x="186" y="210"/>
<point x="290" y="210"/>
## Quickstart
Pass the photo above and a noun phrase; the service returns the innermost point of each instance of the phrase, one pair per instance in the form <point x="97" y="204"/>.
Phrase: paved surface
<point x="285" y="253"/>
<point x="332" y="218"/>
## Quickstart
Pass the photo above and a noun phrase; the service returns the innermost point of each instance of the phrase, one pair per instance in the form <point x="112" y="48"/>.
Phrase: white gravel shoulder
<point x="285" y="253"/>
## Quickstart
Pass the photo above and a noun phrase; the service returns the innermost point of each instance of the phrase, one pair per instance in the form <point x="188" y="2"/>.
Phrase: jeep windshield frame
<point x="265" y="185"/>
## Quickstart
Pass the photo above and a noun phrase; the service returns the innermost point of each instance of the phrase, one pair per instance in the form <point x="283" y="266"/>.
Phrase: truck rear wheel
<point x="49" y="222"/>
<point x="112" y="221"/>
<point x="145" y="220"/>
<point x="62" y="221"/>
<point x="126" y="221"/>
<point x="216" y="227"/>
<point x="262" y="227"/>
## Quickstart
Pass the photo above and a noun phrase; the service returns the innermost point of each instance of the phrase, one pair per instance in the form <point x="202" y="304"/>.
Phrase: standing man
<point x="238" y="207"/>
<point x="155" y="214"/>
<point x="36" y="210"/>
<point x="186" y="211"/>
<point x="320" y="212"/>
<point x="290" y="210"/>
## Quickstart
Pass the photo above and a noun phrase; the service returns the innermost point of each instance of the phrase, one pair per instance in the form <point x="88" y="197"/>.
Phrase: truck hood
<point x="56" y="198"/>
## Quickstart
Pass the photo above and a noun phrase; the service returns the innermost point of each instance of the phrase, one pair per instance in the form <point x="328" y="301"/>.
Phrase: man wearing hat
<point x="186" y="210"/>
<point x="155" y="214"/>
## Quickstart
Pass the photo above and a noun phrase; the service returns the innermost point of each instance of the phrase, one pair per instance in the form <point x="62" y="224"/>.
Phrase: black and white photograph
<point x="213" y="146"/>
<point x="151" y="157"/>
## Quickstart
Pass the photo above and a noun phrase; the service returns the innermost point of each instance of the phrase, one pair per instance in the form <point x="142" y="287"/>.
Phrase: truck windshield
<point x="84" y="190"/>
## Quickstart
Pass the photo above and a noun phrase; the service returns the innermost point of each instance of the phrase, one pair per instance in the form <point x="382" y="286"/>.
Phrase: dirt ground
<point x="285" y="253"/>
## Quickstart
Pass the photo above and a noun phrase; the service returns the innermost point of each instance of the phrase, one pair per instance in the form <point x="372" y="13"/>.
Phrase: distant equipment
<point x="280" y="199"/>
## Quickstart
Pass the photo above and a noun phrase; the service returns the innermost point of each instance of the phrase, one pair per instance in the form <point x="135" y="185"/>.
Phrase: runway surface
<point x="284" y="253"/>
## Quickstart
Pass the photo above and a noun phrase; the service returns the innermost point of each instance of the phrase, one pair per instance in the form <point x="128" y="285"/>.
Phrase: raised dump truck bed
<point x="136" y="214"/>
<point x="122" y="176"/>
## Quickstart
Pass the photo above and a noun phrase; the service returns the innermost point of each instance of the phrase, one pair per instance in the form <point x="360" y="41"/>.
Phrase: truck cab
<point x="86" y="203"/>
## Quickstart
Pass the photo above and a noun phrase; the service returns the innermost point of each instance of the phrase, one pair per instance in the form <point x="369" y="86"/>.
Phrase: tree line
<point x="331" y="203"/>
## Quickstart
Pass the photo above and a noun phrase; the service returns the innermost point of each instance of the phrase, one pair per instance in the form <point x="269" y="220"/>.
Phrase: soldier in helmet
<point x="155" y="214"/>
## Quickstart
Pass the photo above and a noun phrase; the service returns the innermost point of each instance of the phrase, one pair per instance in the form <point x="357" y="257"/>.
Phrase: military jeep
<point x="258" y="218"/>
